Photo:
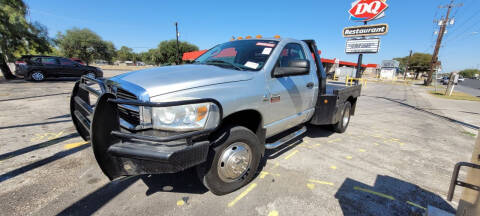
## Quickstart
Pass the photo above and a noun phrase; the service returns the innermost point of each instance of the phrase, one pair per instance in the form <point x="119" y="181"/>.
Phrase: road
<point x="469" y="86"/>
<point x="393" y="160"/>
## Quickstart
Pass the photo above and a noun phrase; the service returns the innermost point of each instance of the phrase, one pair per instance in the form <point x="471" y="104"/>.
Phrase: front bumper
<point x="120" y="152"/>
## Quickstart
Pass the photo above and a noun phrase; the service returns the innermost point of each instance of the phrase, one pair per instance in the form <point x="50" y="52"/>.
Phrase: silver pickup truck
<point x="218" y="114"/>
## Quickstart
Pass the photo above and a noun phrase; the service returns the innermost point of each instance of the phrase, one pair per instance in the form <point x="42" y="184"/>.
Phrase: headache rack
<point x="116" y="106"/>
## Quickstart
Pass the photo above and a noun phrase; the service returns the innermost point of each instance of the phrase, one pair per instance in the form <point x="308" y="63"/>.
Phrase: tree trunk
<point x="7" y="73"/>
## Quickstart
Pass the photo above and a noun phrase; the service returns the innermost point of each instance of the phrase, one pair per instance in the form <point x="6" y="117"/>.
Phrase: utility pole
<point x="178" y="53"/>
<point x="406" y="66"/>
<point x="443" y="26"/>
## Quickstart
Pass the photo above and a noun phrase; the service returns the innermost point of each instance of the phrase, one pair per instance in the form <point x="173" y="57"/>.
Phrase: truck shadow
<point x="312" y="132"/>
<point x="183" y="182"/>
<point x="388" y="196"/>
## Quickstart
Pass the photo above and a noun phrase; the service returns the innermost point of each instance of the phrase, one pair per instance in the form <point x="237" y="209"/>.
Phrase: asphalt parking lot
<point x="393" y="160"/>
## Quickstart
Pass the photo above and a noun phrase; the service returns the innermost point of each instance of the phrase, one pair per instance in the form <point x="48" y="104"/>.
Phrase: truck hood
<point x="163" y="80"/>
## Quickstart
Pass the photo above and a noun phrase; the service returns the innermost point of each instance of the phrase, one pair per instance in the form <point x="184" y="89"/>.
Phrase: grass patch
<point x="455" y="96"/>
<point x="469" y="133"/>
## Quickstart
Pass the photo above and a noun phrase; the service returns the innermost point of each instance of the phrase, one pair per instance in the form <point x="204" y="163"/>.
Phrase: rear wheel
<point x="37" y="76"/>
<point x="233" y="161"/>
<point x="341" y="126"/>
<point x="90" y="75"/>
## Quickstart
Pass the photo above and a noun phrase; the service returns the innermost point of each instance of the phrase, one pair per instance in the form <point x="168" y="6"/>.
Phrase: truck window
<point x="291" y="51"/>
<point x="240" y="54"/>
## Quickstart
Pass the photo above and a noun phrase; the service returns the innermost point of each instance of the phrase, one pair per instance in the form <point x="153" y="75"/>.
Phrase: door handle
<point x="310" y="85"/>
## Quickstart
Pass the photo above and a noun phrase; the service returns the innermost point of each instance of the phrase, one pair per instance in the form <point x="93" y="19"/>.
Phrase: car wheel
<point x="233" y="162"/>
<point x="37" y="76"/>
<point x="90" y="75"/>
<point x="341" y="126"/>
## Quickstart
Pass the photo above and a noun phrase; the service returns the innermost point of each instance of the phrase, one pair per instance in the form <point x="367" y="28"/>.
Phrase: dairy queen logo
<point x="367" y="10"/>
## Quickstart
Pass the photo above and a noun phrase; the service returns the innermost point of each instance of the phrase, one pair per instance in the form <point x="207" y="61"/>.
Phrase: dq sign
<point x="366" y="10"/>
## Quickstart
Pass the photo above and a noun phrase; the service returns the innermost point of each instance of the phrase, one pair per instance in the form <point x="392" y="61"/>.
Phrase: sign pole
<point x="359" y="63"/>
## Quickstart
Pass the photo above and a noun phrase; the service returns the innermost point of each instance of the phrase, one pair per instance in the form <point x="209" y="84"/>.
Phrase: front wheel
<point x="341" y="126"/>
<point x="233" y="162"/>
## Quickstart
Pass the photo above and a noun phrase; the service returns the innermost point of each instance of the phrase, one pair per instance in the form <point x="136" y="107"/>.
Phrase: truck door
<point x="291" y="96"/>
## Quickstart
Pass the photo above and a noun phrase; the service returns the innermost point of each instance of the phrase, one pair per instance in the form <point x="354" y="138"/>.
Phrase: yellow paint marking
<point x="335" y="140"/>
<point x="310" y="186"/>
<point x="273" y="213"/>
<point x="180" y="203"/>
<point x="305" y="141"/>
<point x="376" y="144"/>
<point x="275" y="166"/>
<point x="361" y="150"/>
<point x="374" y="192"/>
<point x="301" y="145"/>
<point x="394" y="139"/>
<point x="263" y="174"/>
<point x="349" y="157"/>
<point x="333" y="167"/>
<point x="320" y="182"/>
<point x="74" y="145"/>
<point x="244" y="193"/>
<point x="401" y="143"/>
<point x="416" y="205"/>
<point x="291" y="154"/>
<point x="318" y="144"/>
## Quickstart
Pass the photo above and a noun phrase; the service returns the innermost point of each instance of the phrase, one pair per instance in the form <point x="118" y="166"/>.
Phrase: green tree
<point x="125" y="54"/>
<point x="419" y="62"/>
<point x="166" y="51"/>
<point x="18" y="35"/>
<point x="469" y="73"/>
<point x="85" y="44"/>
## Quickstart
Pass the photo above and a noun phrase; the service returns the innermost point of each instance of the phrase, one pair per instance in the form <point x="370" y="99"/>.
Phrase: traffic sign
<point x="365" y="30"/>
<point x="356" y="46"/>
<point x="367" y="10"/>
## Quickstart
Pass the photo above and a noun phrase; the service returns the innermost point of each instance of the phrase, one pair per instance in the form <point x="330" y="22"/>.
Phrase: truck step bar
<point x="286" y="138"/>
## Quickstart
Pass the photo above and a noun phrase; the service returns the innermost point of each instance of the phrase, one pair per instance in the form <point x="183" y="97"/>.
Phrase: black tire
<point x="36" y="76"/>
<point x="91" y="74"/>
<point x="341" y="126"/>
<point x="209" y="172"/>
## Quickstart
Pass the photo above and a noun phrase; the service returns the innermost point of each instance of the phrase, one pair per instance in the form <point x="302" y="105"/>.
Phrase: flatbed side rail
<point x="454" y="182"/>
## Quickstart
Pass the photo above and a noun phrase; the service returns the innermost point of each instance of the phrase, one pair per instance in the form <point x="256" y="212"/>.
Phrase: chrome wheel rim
<point x="91" y="75"/>
<point x="346" y="116"/>
<point x="234" y="162"/>
<point x="38" y="76"/>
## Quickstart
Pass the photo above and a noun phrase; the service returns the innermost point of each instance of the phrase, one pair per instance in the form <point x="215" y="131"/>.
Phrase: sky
<point x="141" y="25"/>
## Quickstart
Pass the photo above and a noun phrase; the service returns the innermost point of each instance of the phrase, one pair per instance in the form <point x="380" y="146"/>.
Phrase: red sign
<point x="366" y="10"/>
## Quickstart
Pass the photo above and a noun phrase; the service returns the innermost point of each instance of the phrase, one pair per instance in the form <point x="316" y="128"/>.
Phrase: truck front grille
<point x="128" y="113"/>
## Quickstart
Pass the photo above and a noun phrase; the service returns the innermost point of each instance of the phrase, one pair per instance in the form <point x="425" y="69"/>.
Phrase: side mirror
<point x="295" y="67"/>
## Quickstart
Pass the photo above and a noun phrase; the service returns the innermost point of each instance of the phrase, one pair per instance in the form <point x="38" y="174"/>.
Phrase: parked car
<point x="444" y="80"/>
<point x="461" y="79"/>
<point x="78" y="60"/>
<point x="218" y="114"/>
<point x="38" y="68"/>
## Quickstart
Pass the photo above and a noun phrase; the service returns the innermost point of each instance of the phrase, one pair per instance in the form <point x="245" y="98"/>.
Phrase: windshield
<point x="239" y="55"/>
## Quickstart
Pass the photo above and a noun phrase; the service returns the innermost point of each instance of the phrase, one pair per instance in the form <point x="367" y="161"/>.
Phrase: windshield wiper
<point x="224" y="62"/>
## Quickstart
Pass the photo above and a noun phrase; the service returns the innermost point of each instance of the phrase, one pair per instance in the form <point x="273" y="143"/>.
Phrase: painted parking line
<point x="243" y="194"/>
<point x="320" y="182"/>
<point x="291" y="154"/>
<point x="374" y="193"/>
<point x="180" y="203"/>
<point x="348" y="157"/>
<point x="74" y="145"/>
<point x="333" y="167"/>
<point x="416" y="205"/>
<point x="362" y="150"/>
<point x="273" y="213"/>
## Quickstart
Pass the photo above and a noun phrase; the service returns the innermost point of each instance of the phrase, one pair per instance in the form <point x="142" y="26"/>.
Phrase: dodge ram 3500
<point x="218" y="114"/>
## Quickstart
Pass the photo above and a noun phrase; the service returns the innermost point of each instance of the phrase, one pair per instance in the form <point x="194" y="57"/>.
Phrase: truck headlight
<point x="186" y="117"/>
